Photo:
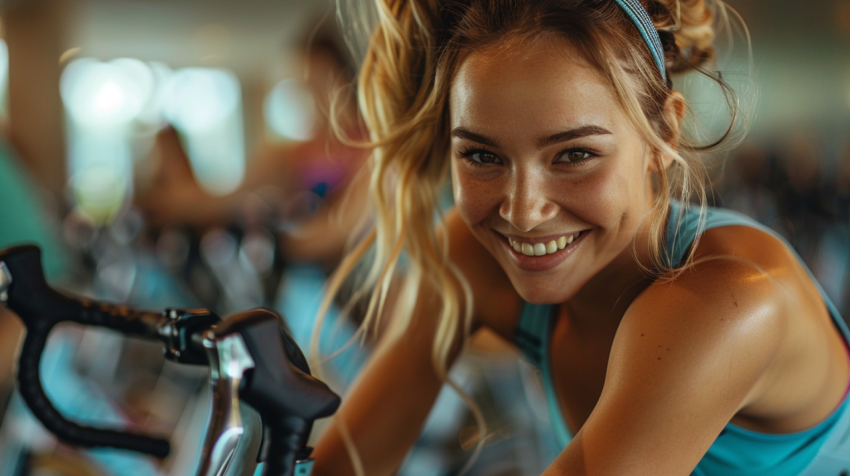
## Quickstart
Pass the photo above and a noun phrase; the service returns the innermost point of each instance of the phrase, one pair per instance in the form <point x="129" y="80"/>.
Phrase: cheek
<point x="475" y="199"/>
<point x="604" y="198"/>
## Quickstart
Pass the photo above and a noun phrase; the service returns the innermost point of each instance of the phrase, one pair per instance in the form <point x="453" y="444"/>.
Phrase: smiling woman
<point x="673" y="338"/>
<point x="553" y="156"/>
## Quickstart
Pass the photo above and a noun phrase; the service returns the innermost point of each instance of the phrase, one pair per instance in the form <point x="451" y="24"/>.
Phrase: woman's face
<point x="548" y="171"/>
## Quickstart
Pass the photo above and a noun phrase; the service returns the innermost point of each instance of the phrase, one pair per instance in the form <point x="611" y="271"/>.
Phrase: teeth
<point x="562" y="242"/>
<point x="541" y="249"/>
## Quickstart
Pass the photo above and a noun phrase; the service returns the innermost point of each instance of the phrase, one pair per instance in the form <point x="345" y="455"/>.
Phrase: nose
<point x="526" y="204"/>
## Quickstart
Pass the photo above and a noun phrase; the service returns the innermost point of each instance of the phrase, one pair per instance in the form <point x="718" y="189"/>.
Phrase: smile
<point x="542" y="249"/>
<point x="544" y="253"/>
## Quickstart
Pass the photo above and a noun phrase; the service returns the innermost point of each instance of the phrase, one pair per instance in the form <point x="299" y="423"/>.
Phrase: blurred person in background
<point x="282" y="182"/>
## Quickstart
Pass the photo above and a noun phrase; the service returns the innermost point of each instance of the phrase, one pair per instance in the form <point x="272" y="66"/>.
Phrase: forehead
<point x="545" y="84"/>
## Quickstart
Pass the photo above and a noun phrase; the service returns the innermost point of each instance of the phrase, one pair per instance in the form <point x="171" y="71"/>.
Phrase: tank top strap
<point x="532" y="331"/>
<point x="533" y="338"/>
<point x="686" y="221"/>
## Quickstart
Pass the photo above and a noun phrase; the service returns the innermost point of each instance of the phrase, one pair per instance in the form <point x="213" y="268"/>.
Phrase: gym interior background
<point x="100" y="100"/>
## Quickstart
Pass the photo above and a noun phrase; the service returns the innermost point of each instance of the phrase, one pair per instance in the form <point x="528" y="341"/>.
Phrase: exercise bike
<point x="264" y="399"/>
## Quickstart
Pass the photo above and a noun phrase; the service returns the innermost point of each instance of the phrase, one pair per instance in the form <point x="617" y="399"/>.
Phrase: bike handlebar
<point x="251" y="358"/>
<point x="40" y="307"/>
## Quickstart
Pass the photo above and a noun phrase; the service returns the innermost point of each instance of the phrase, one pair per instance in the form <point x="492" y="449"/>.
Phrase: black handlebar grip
<point x="40" y="307"/>
<point x="29" y="382"/>
<point x="287" y="444"/>
<point x="36" y="303"/>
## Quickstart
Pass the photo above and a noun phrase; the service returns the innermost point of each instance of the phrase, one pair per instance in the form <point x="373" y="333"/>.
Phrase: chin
<point x="545" y="290"/>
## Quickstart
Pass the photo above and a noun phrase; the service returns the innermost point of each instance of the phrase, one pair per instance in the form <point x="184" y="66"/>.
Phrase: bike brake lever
<point x="287" y="398"/>
<point x="229" y="359"/>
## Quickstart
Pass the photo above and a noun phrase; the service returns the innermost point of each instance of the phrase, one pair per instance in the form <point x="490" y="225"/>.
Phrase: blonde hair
<point x="403" y="89"/>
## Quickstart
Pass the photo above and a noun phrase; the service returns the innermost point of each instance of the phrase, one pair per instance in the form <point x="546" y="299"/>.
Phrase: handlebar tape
<point x="72" y="433"/>
<point x="40" y="307"/>
<point x="37" y="304"/>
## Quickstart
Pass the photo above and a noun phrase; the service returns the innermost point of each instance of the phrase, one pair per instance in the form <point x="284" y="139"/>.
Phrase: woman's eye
<point x="573" y="156"/>
<point x="485" y="158"/>
<point x="481" y="157"/>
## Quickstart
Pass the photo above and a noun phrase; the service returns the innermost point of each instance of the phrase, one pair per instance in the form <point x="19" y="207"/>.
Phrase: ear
<point x="674" y="114"/>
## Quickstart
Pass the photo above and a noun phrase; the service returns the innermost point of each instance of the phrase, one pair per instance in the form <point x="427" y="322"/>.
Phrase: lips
<point x="545" y="253"/>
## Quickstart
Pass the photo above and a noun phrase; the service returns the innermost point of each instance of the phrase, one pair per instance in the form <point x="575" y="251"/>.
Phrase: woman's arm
<point x="387" y="408"/>
<point x="687" y="357"/>
<point x="389" y="403"/>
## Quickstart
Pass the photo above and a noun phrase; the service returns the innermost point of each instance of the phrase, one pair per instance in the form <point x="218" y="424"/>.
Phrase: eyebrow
<point x="465" y="134"/>
<point x="583" y="131"/>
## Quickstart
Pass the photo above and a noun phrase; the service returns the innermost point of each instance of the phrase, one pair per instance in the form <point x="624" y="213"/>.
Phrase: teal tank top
<point x="823" y="450"/>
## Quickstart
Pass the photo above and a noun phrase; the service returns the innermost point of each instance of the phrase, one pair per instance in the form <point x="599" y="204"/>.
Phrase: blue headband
<point x="637" y="14"/>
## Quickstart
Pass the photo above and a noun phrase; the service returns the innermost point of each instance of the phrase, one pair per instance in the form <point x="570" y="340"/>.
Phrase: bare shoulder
<point x="716" y="293"/>
<point x="721" y="321"/>
<point x="737" y="304"/>
<point x="739" y="274"/>
<point x="497" y="303"/>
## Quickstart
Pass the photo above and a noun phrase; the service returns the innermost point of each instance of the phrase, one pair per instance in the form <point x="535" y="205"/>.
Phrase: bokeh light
<point x="98" y="94"/>
<point x="290" y="110"/>
<point x="105" y="101"/>
<point x="151" y="113"/>
<point x="199" y="99"/>
<point x="99" y="192"/>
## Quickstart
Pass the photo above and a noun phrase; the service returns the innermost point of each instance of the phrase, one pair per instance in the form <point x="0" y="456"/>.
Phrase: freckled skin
<point x="530" y="195"/>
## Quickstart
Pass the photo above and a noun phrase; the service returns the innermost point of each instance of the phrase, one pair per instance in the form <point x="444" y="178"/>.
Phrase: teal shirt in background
<point x="22" y="216"/>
